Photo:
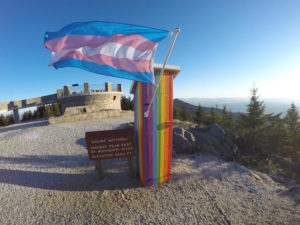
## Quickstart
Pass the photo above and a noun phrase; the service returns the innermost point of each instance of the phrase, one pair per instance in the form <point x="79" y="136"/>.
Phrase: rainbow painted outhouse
<point x="153" y="134"/>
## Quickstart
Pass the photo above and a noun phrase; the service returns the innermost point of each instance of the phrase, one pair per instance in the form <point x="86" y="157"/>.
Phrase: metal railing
<point x="77" y="89"/>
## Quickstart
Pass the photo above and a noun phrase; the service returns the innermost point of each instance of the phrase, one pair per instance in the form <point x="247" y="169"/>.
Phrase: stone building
<point x="88" y="103"/>
<point x="79" y="104"/>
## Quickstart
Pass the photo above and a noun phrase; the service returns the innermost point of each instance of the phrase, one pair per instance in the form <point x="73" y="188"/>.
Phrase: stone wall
<point x="84" y="116"/>
<point x="78" y="106"/>
<point x="99" y="101"/>
<point x="3" y="106"/>
<point x="47" y="99"/>
<point x="14" y="104"/>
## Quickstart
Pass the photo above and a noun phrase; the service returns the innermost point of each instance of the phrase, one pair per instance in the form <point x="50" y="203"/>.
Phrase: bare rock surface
<point x="212" y="139"/>
<point x="47" y="178"/>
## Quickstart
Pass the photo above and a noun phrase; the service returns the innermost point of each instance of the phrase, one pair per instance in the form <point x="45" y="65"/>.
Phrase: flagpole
<point x="162" y="70"/>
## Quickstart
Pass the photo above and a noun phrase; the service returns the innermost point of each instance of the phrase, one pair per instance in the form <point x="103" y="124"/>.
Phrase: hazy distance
<point x="240" y="104"/>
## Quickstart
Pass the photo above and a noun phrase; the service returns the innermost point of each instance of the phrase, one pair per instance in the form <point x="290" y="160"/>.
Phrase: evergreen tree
<point x="255" y="117"/>
<point x="199" y="118"/>
<point x="25" y="116"/>
<point x="10" y="119"/>
<point x="41" y="112"/>
<point x="275" y="135"/>
<point x="184" y="114"/>
<point x="30" y="115"/>
<point x="48" y="110"/>
<point x="130" y="103"/>
<point x="36" y="114"/>
<point x="224" y="112"/>
<point x="292" y="118"/>
<point x="2" y="121"/>
<point x="231" y="121"/>
<point x="56" y="109"/>
<point x="252" y="123"/>
<point x="127" y="103"/>
<point x="225" y="115"/>
<point x="293" y="127"/>
<point x="176" y="114"/>
<point x="213" y="116"/>
<point x="227" y="118"/>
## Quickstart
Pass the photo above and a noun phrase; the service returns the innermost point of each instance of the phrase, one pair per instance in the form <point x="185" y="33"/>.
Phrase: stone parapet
<point x="108" y="87"/>
<point x="67" y="90"/>
<point x="99" y="101"/>
<point x="86" y="88"/>
<point x="84" y="116"/>
<point x="119" y="87"/>
<point x="59" y="92"/>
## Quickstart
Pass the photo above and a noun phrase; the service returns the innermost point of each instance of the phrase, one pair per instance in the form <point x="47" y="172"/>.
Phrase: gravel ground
<point x="47" y="178"/>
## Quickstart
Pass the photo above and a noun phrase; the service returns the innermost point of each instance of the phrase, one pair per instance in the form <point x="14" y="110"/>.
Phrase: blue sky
<point x="223" y="49"/>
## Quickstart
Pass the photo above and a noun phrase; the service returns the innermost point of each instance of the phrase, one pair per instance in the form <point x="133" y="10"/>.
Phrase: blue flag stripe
<point x="104" y="70"/>
<point x="108" y="29"/>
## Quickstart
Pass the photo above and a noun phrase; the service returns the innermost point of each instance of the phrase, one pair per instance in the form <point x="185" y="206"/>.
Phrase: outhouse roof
<point x="157" y="67"/>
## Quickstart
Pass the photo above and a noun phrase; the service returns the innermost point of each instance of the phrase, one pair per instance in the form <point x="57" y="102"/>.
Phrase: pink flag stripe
<point x="75" y="41"/>
<point x="117" y="63"/>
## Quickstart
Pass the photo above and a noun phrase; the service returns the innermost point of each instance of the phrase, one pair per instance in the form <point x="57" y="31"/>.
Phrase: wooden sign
<point x="110" y="144"/>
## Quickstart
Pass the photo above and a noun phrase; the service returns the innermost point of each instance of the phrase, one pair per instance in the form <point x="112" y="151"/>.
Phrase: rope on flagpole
<point x="162" y="70"/>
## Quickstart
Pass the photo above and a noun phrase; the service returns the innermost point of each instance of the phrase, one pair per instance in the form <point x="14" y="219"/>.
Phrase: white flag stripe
<point x="111" y="49"/>
<point x="118" y="50"/>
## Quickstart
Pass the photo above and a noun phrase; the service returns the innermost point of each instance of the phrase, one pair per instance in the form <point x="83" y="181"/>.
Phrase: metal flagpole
<point x="162" y="70"/>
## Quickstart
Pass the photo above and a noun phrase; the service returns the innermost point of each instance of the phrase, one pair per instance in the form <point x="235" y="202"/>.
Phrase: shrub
<point x="25" y="116"/>
<point x="3" y="121"/>
<point x="127" y="103"/>
<point x="184" y="114"/>
<point x="10" y="119"/>
<point x="176" y="114"/>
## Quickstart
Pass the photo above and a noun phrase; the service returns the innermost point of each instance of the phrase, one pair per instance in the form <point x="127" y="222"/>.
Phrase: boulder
<point x="183" y="141"/>
<point x="212" y="139"/>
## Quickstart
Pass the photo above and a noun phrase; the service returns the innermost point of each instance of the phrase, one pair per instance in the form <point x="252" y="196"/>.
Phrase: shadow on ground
<point x="293" y="193"/>
<point x="83" y="177"/>
<point x="88" y="181"/>
<point x="49" y="161"/>
<point x="25" y="125"/>
<point x="81" y="142"/>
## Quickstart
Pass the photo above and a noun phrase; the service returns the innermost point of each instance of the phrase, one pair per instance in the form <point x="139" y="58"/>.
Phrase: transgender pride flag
<point x="112" y="49"/>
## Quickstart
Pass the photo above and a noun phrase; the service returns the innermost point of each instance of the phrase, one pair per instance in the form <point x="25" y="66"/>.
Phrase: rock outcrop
<point x="212" y="139"/>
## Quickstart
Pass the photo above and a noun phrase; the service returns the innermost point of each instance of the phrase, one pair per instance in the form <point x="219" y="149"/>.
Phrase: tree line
<point x="6" y="120"/>
<point x="40" y="112"/>
<point x="127" y="103"/>
<point x="43" y="111"/>
<point x="225" y="118"/>
<point x="267" y="142"/>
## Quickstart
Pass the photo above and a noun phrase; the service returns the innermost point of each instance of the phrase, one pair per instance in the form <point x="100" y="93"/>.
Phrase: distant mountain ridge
<point x="191" y="109"/>
<point x="240" y="104"/>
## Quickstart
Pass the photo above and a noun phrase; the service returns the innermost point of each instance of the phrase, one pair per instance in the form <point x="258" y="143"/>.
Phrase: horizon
<point x="236" y="105"/>
<point x="223" y="49"/>
<point x="240" y="105"/>
<point x="284" y="100"/>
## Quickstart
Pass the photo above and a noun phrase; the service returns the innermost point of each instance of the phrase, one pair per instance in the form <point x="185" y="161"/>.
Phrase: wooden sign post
<point x="110" y="144"/>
